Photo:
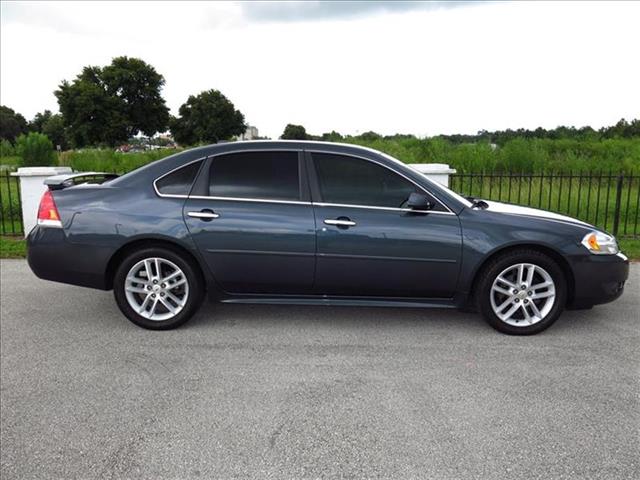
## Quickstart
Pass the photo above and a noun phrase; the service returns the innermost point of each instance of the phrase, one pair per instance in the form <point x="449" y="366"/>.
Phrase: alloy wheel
<point x="156" y="289"/>
<point x="522" y="294"/>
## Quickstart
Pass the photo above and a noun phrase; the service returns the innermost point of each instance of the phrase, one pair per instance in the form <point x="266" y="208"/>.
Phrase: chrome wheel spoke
<point x="546" y="294"/>
<point x="521" y="273"/>
<point x="501" y="290"/>
<point x="535" y="310"/>
<point x="510" y="312"/>
<point x="538" y="286"/>
<point x="177" y="283"/>
<point x="151" y="289"/>
<point x="531" y="270"/>
<point x="145" y="303"/>
<point x="171" y="276"/>
<point x="167" y="305"/>
<point x="147" y="269"/>
<point x="173" y="298"/>
<point x="132" y="289"/>
<point x="154" y="304"/>
<point x="507" y="302"/>
<point x="506" y="282"/>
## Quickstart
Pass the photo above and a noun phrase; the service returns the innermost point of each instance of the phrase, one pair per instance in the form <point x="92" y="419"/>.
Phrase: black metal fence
<point x="610" y="201"/>
<point x="10" y="205"/>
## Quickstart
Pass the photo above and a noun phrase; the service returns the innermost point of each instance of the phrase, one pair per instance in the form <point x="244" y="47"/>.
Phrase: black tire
<point x="191" y="272"/>
<point x="502" y="262"/>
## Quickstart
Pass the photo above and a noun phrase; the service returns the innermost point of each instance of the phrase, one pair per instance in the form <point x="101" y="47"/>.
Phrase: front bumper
<point x="598" y="279"/>
<point x="52" y="256"/>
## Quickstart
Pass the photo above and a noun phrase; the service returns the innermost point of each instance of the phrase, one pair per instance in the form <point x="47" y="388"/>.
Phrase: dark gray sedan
<point x="313" y="223"/>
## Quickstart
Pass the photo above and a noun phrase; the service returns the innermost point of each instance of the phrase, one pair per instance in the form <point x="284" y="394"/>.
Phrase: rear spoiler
<point x="58" y="182"/>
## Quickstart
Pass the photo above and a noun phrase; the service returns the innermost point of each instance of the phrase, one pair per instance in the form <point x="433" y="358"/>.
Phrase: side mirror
<point x="419" y="201"/>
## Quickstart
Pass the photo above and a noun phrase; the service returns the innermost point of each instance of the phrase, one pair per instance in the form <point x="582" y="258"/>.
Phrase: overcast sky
<point x="409" y="67"/>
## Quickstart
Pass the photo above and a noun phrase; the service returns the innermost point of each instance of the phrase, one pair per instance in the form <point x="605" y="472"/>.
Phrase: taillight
<point x="48" y="212"/>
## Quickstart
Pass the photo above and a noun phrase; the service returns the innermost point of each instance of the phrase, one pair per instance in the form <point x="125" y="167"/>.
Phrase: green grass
<point x="10" y="163"/>
<point x="630" y="247"/>
<point x="13" y="247"/>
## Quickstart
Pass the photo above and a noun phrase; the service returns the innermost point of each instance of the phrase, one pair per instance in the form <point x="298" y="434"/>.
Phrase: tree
<point x="294" y="132"/>
<point x="207" y="118"/>
<point x="110" y="104"/>
<point x="54" y="129"/>
<point x="35" y="149"/>
<point x="12" y="124"/>
<point x="370" y="136"/>
<point x="332" y="136"/>
<point x="138" y="85"/>
<point x="39" y="120"/>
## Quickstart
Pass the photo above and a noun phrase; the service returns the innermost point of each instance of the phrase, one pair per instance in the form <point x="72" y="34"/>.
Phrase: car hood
<point x="511" y="209"/>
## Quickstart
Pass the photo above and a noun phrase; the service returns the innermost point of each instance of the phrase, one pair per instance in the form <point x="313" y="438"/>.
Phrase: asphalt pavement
<point x="311" y="392"/>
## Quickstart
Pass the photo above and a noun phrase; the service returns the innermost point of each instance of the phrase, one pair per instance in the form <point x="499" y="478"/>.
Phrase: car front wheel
<point x="522" y="292"/>
<point x="156" y="288"/>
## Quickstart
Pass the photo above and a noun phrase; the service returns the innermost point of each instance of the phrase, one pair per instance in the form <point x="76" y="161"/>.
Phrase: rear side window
<point x="257" y="175"/>
<point x="353" y="181"/>
<point x="180" y="181"/>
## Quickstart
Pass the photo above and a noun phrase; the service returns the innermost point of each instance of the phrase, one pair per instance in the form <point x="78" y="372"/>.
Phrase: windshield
<point x="436" y="185"/>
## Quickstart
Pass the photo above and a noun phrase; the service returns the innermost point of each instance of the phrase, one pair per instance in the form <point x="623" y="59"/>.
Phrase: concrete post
<point x="438" y="172"/>
<point x="31" y="189"/>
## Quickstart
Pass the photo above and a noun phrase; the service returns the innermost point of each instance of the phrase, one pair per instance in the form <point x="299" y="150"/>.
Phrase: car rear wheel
<point x="522" y="292"/>
<point x="158" y="289"/>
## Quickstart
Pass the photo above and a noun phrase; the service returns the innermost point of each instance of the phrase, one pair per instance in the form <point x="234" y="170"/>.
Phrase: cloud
<point x="43" y="15"/>
<point x="331" y="10"/>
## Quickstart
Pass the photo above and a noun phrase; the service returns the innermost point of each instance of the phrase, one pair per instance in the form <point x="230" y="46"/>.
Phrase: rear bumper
<point x="598" y="279"/>
<point x="52" y="257"/>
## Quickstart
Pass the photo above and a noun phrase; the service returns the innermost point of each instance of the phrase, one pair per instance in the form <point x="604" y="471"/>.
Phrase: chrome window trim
<point x="319" y="204"/>
<point x="172" y="195"/>
<point x="448" y="210"/>
<point x="372" y="207"/>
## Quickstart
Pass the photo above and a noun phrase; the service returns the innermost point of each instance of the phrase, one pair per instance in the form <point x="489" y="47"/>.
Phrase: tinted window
<point x="353" y="181"/>
<point x="180" y="181"/>
<point x="267" y="175"/>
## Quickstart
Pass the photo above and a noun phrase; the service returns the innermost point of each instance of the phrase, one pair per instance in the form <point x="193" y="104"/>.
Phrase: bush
<point x="518" y="155"/>
<point x="106" y="160"/>
<point x="6" y="149"/>
<point x="35" y="149"/>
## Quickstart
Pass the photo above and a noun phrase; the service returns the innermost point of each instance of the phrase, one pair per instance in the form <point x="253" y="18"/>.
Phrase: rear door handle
<point x="204" y="214"/>
<point x="340" y="222"/>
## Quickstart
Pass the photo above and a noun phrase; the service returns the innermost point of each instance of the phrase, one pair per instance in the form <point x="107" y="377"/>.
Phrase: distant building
<point x="251" y="133"/>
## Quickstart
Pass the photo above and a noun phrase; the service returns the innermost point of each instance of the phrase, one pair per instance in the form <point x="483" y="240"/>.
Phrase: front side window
<point x="255" y="175"/>
<point x="353" y="181"/>
<point x="180" y="181"/>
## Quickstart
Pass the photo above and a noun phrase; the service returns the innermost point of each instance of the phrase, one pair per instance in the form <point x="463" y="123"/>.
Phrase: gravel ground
<point x="310" y="392"/>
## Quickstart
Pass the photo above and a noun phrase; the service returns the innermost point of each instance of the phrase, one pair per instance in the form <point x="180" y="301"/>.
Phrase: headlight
<point x="600" y="243"/>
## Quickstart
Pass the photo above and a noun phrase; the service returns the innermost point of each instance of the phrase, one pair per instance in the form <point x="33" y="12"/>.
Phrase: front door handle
<point x="205" y="214"/>
<point x="340" y="222"/>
